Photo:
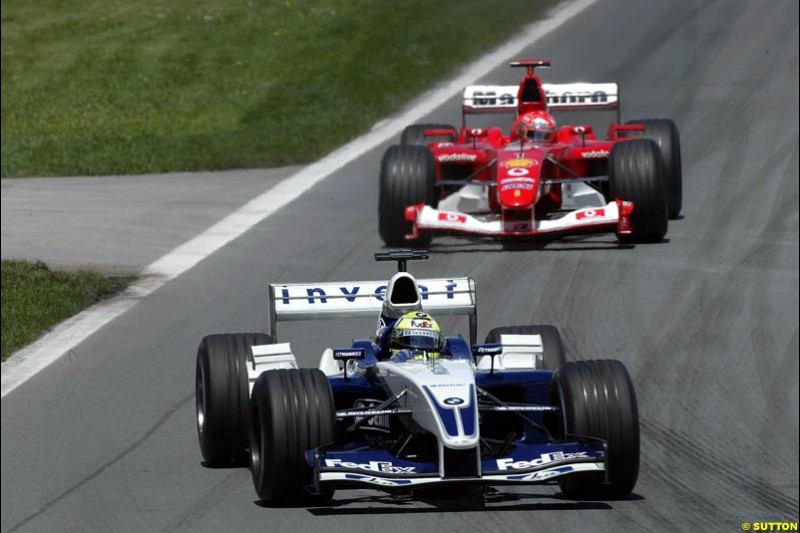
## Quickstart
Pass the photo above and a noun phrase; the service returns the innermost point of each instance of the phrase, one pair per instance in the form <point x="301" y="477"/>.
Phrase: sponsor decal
<point x="424" y="324"/>
<point x="577" y="97"/>
<point x="519" y="171"/>
<point x="453" y="401"/>
<point x="382" y="423"/>
<point x="457" y="158"/>
<point x="513" y="186"/>
<point x="384" y="467"/>
<point x="491" y="98"/>
<point x="443" y="145"/>
<point x="590" y="213"/>
<point x="541" y="476"/>
<point x="452" y="217"/>
<point x="545" y="458"/>
<point x="435" y="385"/>
<point x="520" y="162"/>
<point x="489" y="350"/>
<point x="595" y="154"/>
<point x="317" y="295"/>
<point x="343" y="355"/>
<point x="419" y="333"/>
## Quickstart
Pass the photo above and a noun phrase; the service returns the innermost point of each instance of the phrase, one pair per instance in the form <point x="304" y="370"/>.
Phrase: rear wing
<point x="364" y="299"/>
<point x="560" y="97"/>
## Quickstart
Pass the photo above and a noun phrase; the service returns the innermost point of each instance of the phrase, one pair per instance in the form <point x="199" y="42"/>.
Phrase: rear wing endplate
<point x="364" y="299"/>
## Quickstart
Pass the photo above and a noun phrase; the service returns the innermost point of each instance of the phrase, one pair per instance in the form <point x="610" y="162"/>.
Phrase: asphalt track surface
<point x="117" y="224"/>
<point x="707" y="322"/>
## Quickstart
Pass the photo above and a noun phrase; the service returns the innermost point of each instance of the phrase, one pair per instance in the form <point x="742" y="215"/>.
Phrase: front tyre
<point x="665" y="133"/>
<point x="597" y="399"/>
<point x="636" y="174"/>
<point x="291" y="412"/>
<point x="408" y="177"/>
<point x="222" y="396"/>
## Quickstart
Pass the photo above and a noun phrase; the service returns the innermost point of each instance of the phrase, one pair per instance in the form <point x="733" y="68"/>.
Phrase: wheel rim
<point x="200" y="399"/>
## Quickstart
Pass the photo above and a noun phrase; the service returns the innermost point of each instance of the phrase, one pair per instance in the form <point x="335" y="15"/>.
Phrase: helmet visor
<point x="540" y="134"/>
<point x="416" y="339"/>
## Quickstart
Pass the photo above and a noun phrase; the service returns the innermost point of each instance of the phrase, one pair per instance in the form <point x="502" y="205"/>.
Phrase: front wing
<point x="526" y="464"/>
<point x="613" y="217"/>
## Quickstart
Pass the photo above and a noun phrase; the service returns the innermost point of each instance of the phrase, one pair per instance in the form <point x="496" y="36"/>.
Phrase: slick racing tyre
<point x="414" y="135"/>
<point x="636" y="174"/>
<point x="665" y="133"/>
<point x="222" y="396"/>
<point x="597" y="399"/>
<point x="291" y="411"/>
<point x="553" y="355"/>
<point x="408" y="177"/>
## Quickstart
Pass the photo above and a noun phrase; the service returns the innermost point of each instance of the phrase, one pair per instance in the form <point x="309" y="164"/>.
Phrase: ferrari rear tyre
<point x="408" y="177"/>
<point x="414" y="135"/>
<point x="553" y="356"/>
<point x="291" y="412"/>
<point x="222" y="396"/>
<point x="597" y="399"/>
<point x="665" y="133"/>
<point x="636" y="174"/>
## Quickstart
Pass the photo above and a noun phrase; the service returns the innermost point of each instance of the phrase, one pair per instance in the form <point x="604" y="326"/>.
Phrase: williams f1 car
<point x="481" y="182"/>
<point x="508" y="411"/>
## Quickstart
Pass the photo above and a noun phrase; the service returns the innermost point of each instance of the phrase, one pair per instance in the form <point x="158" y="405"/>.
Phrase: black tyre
<point x="222" y="396"/>
<point x="414" y="135"/>
<point x="665" y="133"/>
<point x="597" y="399"/>
<point x="551" y="339"/>
<point x="291" y="411"/>
<point x="408" y="177"/>
<point x="636" y="174"/>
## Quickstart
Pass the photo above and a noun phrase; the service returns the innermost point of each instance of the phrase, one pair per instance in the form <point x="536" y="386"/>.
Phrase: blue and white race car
<point x="509" y="411"/>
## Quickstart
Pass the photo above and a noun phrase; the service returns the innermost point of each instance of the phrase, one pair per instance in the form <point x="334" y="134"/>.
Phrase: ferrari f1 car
<point x="508" y="411"/>
<point x="481" y="182"/>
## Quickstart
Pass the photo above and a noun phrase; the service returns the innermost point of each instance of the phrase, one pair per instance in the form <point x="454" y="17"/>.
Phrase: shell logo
<point x="519" y="163"/>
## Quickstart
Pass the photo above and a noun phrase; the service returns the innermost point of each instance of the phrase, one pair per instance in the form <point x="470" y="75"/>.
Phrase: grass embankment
<point x="35" y="298"/>
<point x="113" y="86"/>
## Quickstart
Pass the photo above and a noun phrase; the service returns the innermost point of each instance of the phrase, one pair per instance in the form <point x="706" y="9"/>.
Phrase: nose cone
<point x="517" y="180"/>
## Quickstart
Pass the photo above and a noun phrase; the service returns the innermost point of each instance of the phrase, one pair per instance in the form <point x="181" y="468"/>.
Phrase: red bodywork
<point x="525" y="180"/>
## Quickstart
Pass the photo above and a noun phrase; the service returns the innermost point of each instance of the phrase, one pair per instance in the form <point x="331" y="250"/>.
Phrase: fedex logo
<point x="545" y="458"/>
<point x="421" y="324"/>
<point x="373" y="466"/>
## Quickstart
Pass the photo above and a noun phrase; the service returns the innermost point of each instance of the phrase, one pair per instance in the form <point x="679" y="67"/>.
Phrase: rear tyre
<point x="414" y="135"/>
<point x="665" y="133"/>
<point x="408" y="177"/>
<point x="222" y="396"/>
<point x="291" y="411"/>
<point x="597" y="399"/>
<point x="636" y="174"/>
<point x="553" y="356"/>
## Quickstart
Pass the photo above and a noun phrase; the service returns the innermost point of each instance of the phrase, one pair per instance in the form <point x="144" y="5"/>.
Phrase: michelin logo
<point x="545" y="458"/>
<point x="384" y="467"/>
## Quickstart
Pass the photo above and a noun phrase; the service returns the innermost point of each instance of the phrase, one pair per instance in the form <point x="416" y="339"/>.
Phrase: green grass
<point x="35" y="298"/>
<point x="113" y="86"/>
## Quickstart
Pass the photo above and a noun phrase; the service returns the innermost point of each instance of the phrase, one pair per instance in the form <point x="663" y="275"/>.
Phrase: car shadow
<point x="494" y="501"/>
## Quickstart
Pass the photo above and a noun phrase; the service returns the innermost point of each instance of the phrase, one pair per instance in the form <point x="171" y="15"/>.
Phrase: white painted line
<point x="27" y="362"/>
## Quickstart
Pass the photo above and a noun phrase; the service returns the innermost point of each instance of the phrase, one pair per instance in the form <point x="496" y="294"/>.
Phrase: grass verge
<point x="95" y="87"/>
<point x="35" y="298"/>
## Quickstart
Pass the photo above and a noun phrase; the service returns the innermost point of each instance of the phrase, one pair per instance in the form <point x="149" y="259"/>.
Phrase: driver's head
<point x="418" y="333"/>
<point x="537" y="126"/>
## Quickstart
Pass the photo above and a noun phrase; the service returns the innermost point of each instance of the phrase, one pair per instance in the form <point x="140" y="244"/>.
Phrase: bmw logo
<point x="453" y="401"/>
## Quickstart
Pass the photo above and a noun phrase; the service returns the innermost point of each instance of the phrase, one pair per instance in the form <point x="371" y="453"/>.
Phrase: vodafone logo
<point x="595" y="154"/>
<point x="452" y="217"/>
<point x="457" y="158"/>
<point x="591" y="213"/>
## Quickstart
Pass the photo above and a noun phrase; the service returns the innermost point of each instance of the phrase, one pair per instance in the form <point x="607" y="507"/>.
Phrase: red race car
<point x="539" y="180"/>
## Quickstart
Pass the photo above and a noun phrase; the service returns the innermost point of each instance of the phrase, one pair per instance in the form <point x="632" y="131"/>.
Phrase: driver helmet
<point x="537" y="126"/>
<point x="419" y="334"/>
